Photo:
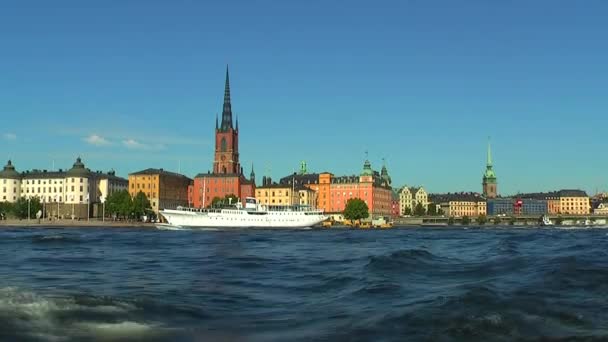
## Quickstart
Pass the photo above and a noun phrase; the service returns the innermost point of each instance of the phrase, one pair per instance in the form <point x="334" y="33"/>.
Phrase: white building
<point x="10" y="181"/>
<point x="409" y="197"/>
<point x="74" y="191"/>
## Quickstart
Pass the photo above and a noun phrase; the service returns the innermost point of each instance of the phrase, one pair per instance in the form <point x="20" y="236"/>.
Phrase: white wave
<point x="44" y="318"/>
<point x="125" y="329"/>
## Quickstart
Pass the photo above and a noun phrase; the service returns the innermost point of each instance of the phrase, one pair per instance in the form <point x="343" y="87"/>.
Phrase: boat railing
<point x="281" y="208"/>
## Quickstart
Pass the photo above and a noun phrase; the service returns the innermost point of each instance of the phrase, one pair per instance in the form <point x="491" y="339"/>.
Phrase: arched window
<point x="223" y="145"/>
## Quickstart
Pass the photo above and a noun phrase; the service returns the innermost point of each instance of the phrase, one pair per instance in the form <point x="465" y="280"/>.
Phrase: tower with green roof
<point x="489" y="182"/>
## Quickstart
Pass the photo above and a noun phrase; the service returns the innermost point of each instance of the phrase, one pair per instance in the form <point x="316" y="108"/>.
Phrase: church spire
<point x="489" y="162"/>
<point x="227" y="110"/>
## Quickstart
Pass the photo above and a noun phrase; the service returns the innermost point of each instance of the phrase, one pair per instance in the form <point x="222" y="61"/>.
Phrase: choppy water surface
<point x="330" y="285"/>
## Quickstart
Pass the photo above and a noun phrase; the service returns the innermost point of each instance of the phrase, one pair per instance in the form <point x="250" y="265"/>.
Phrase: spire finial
<point x="227" y="109"/>
<point x="489" y="161"/>
<point x="216" y="126"/>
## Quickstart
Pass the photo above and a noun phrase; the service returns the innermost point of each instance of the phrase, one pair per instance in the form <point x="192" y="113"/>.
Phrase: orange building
<point x="164" y="189"/>
<point x="227" y="177"/>
<point x="333" y="192"/>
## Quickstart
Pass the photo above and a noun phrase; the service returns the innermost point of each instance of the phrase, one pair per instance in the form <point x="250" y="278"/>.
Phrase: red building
<point x="227" y="177"/>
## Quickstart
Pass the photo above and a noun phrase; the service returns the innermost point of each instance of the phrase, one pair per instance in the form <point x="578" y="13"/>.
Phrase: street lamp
<point x="88" y="207"/>
<point x="72" y="200"/>
<point x="103" y="205"/>
<point x="57" y="200"/>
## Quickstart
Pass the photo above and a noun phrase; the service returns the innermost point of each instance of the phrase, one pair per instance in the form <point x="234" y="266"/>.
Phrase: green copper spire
<point x="489" y="176"/>
<point x="489" y="153"/>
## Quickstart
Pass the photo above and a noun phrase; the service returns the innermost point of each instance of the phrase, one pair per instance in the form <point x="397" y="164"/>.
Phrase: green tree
<point x="497" y="220"/>
<point x="419" y="210"/>
<point x="20" y="208"/>
<point x="465" y="220"/>
<point x="559" y="220"/>
<point x="407" y="211"/>
<point x="120" y="204"/>
<point x="356" y="209"/>
<point x="141" y="205"/>
<point x="482" y="219"/>
<point x="216" y="201"/>
<point x="451" y="221"/>
<point x="433" y="210"/>
<point x="6" y="209"/>
<point x="231" y="199"/>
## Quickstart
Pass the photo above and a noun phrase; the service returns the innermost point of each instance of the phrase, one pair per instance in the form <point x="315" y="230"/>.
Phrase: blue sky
<point x="423" y="83"/>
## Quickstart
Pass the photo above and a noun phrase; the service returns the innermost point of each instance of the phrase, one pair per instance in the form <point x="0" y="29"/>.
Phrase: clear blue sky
<point x="423" y="83"/>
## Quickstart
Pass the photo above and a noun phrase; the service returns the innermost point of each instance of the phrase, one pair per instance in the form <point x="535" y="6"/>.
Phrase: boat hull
<point x="242" y="219"/>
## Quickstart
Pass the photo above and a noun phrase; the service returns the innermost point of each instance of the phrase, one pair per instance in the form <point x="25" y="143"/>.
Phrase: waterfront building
<point x="489" y="182"/>
<point x="517" y="206"/>
<point x="164" y="189"/>
<point x="500" y="206"/>
<point x="460" y="204"/>
<point x="566" y="202"/>
<point x="601" y="209"/>
<point x="409" y="197"/>
<point x="73" y="193"/>
<point x="395" y="206"/>
<point x="10" y="180"/>
<point x="332" y="192"/>
<point x="285" y="195"/>
<point x="227" y="177"/>
<point x="109" y="183"/>
<point x="574" y="202"/>
<point x="370" y="186"/>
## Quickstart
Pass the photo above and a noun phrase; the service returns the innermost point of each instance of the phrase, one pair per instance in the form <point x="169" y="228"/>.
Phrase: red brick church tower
<point x="226" y="159"/>
<point x="227" y="177"/>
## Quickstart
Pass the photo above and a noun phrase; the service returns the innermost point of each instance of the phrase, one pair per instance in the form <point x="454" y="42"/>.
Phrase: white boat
<point x="545" y="221"/>
<point x="253" y="215"/>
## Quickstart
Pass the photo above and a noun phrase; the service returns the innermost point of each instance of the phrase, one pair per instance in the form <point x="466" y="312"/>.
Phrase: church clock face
<point x="223" y="158"/>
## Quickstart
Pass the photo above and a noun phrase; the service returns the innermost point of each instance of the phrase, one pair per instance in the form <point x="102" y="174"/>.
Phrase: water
<point x="316" y="285"/>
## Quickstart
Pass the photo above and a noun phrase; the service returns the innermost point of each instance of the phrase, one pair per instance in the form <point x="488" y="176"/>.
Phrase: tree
<point x="559" y="220"/>
<point x="231" y="199"/>
<point x="451" y="221"/>
<point x="6" y="209"/>
<point x="407" y="211"/>
<point x="482" y="219"/>
<point x="119" y="203"/>
<point x="141" y="204"/>
<point x="20" y="208"/>
<point x="356" y="209"/>
<point x="433" y="210"/>
<point x="465" y="220"/>
<point x="419" y="210"/>
<point x="497" y="220"/>
<point x="216" y="201"/>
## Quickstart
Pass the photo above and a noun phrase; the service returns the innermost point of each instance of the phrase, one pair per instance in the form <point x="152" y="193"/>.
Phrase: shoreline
<point x="35" y="223"/>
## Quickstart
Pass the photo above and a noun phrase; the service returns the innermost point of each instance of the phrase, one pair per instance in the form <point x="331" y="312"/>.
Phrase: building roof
<point x="43" y="174"/>
<point x="572" y="193"/>
<point x="297" y="178"/>
<point x="460" y="196"/>
<point x="282" y="186"/>
<point x="9" y="171"/>
<point x="78" y="169"/>
<point x="152" y="171"/>
<point x="553" y="194"/>
<point x="111" y="175"/>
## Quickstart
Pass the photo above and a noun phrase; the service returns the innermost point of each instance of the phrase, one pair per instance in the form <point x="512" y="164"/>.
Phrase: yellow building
<point x="277" y="194"/>
<point x="574" y="202"/>
<point x="410" y="197"/>
<point x="164" y="189"/>
<point x="461" y="204"/>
